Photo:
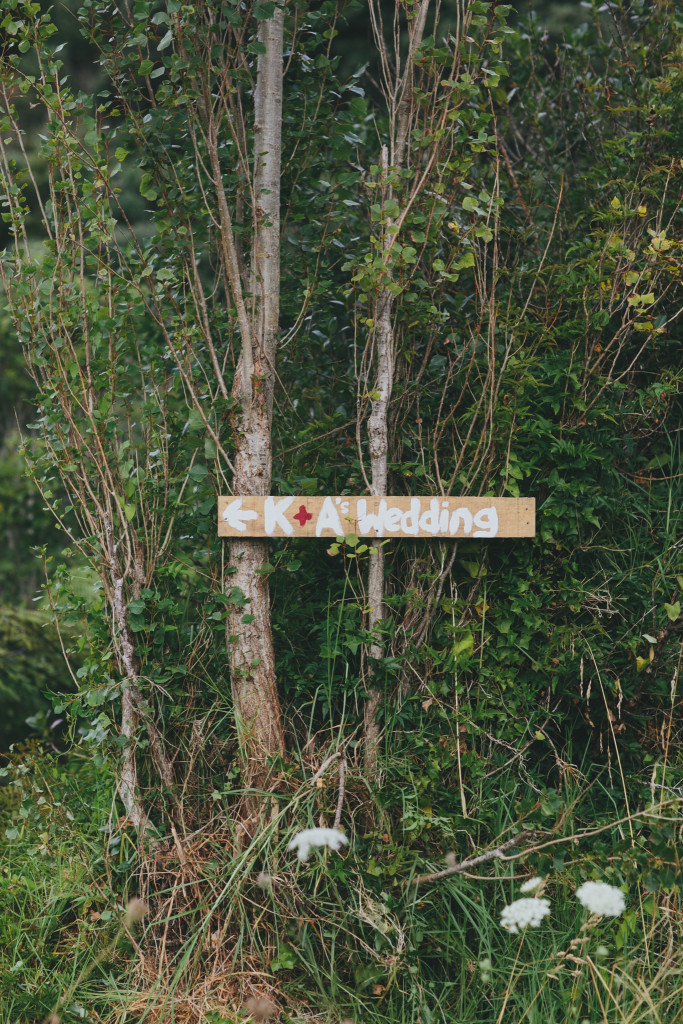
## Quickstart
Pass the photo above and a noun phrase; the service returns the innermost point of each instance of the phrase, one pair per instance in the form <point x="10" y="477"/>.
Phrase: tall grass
<point x="343" y="936"/>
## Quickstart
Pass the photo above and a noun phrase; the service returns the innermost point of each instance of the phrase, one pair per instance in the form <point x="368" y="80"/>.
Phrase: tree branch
<point x="495" y="854"/>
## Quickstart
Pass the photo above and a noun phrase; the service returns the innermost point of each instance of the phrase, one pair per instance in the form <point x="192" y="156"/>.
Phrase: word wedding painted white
<point x="437" y="520"/>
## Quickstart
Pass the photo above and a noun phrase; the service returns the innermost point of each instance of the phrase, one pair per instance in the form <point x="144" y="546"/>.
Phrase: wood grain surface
<point x="335" y="516"/>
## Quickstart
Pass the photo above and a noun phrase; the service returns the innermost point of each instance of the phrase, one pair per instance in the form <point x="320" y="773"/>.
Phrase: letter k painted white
<point x="273" y="515"/>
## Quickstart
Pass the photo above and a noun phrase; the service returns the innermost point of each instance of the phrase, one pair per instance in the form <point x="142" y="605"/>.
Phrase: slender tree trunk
<point x="250" y="644"/>
<point x="378" y="441"/>
<point x="133" y="705"/>
<point x="400" y="103"/>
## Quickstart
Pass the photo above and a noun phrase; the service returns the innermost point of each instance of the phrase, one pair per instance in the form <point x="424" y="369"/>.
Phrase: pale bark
<point x="129" y="789"/>
<point x="250" y="645"/>
<point x="133" y="706"/>
<point x="378" y="443"/>
<point x="399" y="94"/>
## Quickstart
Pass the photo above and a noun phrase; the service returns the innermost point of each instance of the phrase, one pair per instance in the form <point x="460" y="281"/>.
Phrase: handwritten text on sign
<point x="375" y="517"/>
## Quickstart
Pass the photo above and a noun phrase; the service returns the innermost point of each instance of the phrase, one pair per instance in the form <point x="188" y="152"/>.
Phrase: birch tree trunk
<point x="398" y="90"/>
<point x="250" y="644"/>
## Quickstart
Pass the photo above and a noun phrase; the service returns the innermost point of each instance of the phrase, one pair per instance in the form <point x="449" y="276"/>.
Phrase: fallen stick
<point x="496" y="854"/>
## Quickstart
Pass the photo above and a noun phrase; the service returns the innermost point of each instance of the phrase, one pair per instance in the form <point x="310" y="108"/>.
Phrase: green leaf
<point x="463" y="646"/>
<point x="471" y="567"/>
<point x="285" y="960"/>
<point x="147" y="189"/>
<point x="195" y="420"/>
<point x="672" y="610"/>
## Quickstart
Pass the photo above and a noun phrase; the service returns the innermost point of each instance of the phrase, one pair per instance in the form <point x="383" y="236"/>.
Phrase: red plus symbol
<point x="302" y="515"/>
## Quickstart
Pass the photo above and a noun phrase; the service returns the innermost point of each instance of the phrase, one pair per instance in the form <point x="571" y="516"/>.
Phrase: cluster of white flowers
<point x="330" y="837"/>
<point x="601" y="899"/>
<point x="524" y="913"/>
<point x="597" y="897"/>
<point x="531" y="884"/>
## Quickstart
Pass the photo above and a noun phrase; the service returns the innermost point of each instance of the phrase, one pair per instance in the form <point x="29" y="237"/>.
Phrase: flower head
<point x="522" y="913"/>
<point x="261" y="1007"/>
<point x="330" y="837"/>
<point x="531" y="884"/>
<point x="601" y="899"/>
<point x="136" y="909"/>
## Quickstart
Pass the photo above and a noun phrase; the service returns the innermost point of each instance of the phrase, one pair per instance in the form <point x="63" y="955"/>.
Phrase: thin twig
<point x="342" y="787"/>
<point x="495" y="854"/>
<point x="498" y="852"/>
<point x="323" y="767"/>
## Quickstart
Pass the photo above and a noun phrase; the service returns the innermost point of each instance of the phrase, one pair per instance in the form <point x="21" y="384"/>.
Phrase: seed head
<point x="261" y="1007"/>
<point x="135" y="911"/>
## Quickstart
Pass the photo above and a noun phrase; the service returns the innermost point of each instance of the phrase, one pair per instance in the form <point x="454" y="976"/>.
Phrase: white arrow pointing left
<point x="235" y="517"/>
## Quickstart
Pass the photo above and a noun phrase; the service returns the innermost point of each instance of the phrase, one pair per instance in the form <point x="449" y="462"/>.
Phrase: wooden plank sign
<point x="375" y="517"/>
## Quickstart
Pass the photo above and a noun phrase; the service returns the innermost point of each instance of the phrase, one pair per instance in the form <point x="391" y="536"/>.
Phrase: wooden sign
<point x="376" y="517"/>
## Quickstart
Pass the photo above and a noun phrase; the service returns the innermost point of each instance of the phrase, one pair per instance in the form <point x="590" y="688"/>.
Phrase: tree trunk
<point x="250" y="644"/>
<point x="400" y="104"/>
<point x="378" y="441"/>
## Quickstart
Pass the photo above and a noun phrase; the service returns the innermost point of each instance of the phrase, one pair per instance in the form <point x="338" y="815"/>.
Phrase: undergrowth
<point x="354" y="935"/>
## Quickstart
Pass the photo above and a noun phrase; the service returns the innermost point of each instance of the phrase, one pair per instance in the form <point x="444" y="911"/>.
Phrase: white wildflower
<point x="330" y="837"/>
<point x="522" y="913"/>
<point x="601" y="899"/>
<point x="531" y="884"/>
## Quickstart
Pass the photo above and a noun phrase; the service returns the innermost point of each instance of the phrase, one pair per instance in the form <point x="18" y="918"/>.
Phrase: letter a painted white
<point x="273" y="515"/>
<point x="328" y="519"/>
<point x="487" y="521"/>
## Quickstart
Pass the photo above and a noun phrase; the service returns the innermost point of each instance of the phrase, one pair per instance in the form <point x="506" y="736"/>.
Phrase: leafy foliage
<point x="31" y="666"/>
<point x="536" y="292"/>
